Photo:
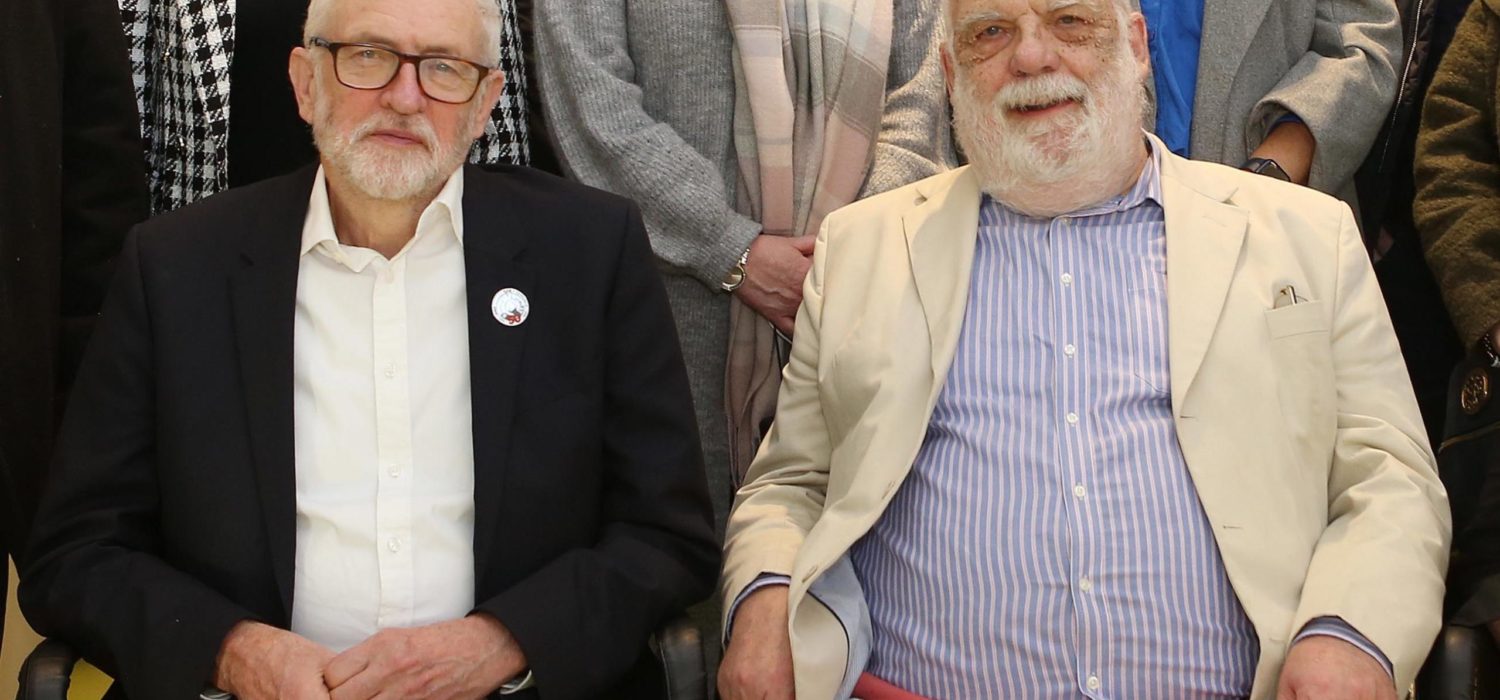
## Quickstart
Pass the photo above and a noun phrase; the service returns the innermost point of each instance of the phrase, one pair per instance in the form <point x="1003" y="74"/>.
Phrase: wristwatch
<point x="736" y="275"/>
<point x="1267" y="167"/>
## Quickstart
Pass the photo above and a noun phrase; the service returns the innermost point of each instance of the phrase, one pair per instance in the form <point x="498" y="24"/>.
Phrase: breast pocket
<point x="1297" y="319"/>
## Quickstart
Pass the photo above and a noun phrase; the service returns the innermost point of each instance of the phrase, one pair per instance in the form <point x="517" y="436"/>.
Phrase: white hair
<point x="489" y="16"/>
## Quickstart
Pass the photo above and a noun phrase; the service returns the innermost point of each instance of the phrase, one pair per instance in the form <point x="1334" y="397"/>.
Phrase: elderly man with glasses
<point x="1085" y="419"/>
<point x="389" y="426"/>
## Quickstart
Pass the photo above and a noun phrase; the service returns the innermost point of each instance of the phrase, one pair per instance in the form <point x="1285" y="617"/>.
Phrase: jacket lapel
<point x="940" y="236"/>
<point x="1204" y="237"/>
<point x="493" y="240"/>
<point x="264" y="300"/>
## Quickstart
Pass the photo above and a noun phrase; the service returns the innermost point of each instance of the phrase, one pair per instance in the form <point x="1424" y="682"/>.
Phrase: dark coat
<point x="1457" y="211"/>
<point x="171" y="515"/>
<point x="1457" y="207"/>
<point x="72" y="181"/>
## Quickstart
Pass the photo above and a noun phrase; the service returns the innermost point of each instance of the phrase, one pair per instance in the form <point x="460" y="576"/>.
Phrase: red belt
<point x="871" y="688"/>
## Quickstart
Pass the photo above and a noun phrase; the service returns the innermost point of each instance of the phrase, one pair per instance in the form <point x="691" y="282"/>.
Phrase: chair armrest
<point x="47" y="671"/>
<point x="1464" y="665"/>
<point x="679" y="647"/>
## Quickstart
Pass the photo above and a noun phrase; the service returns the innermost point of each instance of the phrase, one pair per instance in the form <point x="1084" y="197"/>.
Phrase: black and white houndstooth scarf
<point x="180" y="52"/>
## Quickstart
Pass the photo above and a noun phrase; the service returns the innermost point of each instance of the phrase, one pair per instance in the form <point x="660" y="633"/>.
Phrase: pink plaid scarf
<point x="810" y="93"/>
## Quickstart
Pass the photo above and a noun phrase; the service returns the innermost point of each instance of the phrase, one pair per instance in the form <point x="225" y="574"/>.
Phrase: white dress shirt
<point x="384" y="448"/>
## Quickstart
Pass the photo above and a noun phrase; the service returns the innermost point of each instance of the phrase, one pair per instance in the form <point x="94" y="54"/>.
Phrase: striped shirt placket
<point x="1049" y="542"/>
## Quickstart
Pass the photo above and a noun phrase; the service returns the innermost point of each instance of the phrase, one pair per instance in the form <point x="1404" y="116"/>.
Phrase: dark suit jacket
<point x="171" y="515"/>
<point x="72" y="182"/>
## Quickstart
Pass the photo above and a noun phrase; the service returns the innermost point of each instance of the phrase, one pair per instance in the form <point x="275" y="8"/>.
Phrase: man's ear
<point x="489" y="95"/>
<point x="300" y="70"/>
<point x="1138" y="46"/>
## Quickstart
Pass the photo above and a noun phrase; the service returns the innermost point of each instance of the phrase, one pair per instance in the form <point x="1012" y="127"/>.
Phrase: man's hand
<point x="260" y="662"/>
<point x="1291" y="145"/>
<point x="467" y="658"/>
<point x="1329" y="668"/>
<point x="758" y="663"/>
<point x="773" y="278"/>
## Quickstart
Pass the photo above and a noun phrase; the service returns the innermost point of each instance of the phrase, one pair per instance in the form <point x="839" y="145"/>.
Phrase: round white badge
<point x="510" y="307"/>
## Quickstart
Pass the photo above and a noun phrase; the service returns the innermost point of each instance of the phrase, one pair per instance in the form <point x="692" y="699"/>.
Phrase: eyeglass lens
<point x="370" y="68"/>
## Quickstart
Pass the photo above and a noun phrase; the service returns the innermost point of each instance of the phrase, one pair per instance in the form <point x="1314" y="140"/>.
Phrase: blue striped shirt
<point x="1048" y="541"/>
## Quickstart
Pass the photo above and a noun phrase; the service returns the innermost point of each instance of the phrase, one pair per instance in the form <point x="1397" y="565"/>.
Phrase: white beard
<point x="384" y="172"/>
<point x="1048" y="167"/>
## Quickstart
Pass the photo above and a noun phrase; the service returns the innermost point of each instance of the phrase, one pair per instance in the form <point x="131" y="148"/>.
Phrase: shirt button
<point x="1092" y="683"/>
<point x="1069" y="350"/>
<point x="395" y="472"/>
<point x="1085" y="585"/>
<point x="390" y="371"/>
<point x="1072" y="418"/>
<point x="1079" y="491"/>
<point x="1067" y="279"/>
<point x="393" y="544"/>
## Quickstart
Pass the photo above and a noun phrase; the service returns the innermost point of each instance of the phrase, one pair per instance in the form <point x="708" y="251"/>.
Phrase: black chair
<point x="1464" y="665"/>
<point x="678" y="646"/>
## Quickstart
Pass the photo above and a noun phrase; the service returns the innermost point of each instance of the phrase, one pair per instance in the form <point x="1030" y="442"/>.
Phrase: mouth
<point x="1044" y="108"/>
<point x="397" y="137"/>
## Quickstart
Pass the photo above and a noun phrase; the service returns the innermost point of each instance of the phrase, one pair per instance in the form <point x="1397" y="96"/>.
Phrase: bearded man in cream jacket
<point x="1085" y="419"/>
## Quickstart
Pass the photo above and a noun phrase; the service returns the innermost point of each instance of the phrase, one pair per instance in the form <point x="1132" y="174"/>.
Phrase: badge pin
<point x="510" y="307"/>
<point x="1476" y="391"/>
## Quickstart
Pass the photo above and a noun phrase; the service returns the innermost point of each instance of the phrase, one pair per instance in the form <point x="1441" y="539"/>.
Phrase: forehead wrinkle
<point x="1055" y="5"/>
<point x="979" y="16"/>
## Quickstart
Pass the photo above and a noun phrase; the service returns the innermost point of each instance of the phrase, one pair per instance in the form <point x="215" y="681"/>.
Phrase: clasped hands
<point x="459" y="659"/>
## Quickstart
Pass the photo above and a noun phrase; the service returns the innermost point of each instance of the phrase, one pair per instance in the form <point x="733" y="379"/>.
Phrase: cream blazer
<point x="1297" y="421"/>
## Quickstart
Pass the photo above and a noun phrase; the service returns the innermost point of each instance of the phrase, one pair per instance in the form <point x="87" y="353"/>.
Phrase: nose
<point x="1036" y="52"/>
<point x="404" y="93"/>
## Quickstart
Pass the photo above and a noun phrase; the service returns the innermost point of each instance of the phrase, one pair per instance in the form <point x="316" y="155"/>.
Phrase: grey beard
<point x="1075" y="161"/>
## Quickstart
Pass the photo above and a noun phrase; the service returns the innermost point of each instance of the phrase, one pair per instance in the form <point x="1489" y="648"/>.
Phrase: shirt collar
<point x="445" y="211"/>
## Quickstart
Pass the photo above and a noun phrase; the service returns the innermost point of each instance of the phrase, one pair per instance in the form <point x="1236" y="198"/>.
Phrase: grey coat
<point x="639" y="96"/>
<point x="1329" y="62"/>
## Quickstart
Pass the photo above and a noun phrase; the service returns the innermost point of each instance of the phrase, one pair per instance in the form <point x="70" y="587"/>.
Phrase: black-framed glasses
<point x="362" y="66"/>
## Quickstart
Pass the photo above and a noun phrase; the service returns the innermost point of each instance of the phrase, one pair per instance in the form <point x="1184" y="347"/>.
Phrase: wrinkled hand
<point x="1329" y="668"/>
<point x="260" y="662"/>
<point x="460" y="659"/>
<point x="773" y="278"/>
<point x="757" y="664"/>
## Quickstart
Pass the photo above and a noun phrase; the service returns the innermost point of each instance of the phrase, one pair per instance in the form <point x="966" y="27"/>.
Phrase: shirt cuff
<point x="1288" y="117"/>
<point x="762" y="581"/>
<point x="1331" y="626"/>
